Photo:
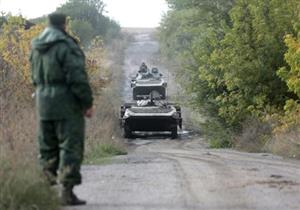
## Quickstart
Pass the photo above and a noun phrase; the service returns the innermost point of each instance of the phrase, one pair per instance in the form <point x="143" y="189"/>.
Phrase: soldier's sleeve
<point x="32" y="69"/>
<point x="76" y="77"/>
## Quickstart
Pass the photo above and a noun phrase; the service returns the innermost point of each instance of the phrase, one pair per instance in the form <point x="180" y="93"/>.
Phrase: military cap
<point x="57" y="19"/>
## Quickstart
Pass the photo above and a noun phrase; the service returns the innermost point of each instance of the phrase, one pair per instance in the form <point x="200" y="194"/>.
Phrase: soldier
<point x="143" y="72"/>
<point x="143" y="68"/>
<point x="155" y="73"/>
<point x="63" y="98"/>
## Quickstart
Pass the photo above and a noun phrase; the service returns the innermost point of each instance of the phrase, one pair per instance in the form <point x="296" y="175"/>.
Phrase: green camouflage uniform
<point x="62" y="94"/>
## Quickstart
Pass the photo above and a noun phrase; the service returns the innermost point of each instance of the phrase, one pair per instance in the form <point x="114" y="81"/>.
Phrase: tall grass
<point x="103" y="130"/>
<point x="22" y="187"/>
<point x="285" y="144"/>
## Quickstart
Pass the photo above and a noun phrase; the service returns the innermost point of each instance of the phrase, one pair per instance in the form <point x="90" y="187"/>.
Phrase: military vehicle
<point x="150" y="115"/>
<point x="147" y="81"/>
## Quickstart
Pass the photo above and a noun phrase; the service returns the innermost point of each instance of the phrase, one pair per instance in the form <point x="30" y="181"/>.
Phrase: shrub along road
<point x="159" y="173"/>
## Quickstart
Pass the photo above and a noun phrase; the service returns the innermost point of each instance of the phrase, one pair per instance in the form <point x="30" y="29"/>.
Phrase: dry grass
<point x="22" y="185"/>
<point x="255" y="134"/>
<point x="286" y="144"/>
<point x="103" y="130"/>
<point x="258" y="136"/>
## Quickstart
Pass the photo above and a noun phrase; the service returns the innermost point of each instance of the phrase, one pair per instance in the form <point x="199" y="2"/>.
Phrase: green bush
<point x="89" y="20"/>
<point x="83" y="29"/>
<point x="229" y="53"/>
<point x="219" y="136"/>
<point x="102" y="153"/>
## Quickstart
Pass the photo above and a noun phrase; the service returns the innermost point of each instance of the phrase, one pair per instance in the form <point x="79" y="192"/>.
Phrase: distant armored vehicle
<point x="147" y="81"/>
<point x="151" y="114"/>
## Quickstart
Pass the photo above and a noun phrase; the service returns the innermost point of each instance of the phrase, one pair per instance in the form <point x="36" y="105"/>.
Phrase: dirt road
<point x="164" y="174"/>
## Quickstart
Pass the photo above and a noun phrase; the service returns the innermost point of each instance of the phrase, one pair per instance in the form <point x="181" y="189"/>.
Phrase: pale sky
<point x="129" y="13"/>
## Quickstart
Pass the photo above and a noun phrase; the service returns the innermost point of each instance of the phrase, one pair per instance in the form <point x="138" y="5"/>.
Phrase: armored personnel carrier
<point x="152" y="115"/>
<point x="147" y="81"/>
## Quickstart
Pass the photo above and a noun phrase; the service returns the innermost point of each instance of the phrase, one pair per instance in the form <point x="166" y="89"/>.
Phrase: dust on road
<point x="163" y="174"/>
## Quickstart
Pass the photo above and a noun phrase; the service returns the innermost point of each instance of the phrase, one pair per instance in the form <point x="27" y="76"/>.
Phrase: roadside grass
<point x="286" y="144"/>
<point x="22" y="186"/>
<point x="217" y="135"/>
<point x="103" y="153"/>
<point x="251" y="137"/>
<point x="103" y="131"/>
<point x="254" y="136"/>
<point x="104" y="135"/>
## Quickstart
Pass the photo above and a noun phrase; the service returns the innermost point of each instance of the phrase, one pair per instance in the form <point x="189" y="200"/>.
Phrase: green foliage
<point x="113" y="30"/>
<point x="83" y="29"/>
<point x="189" y="34"/>
<point x="291" y="74"/>
<point x="249" y="56"/>
<point x="218" y="135"/>
<point x="110" y="150"/>
<point x="102" y="153"/>
<point x="88" y="15"/>
<point x="2" y="20"/>
<point x="230" y="52"/>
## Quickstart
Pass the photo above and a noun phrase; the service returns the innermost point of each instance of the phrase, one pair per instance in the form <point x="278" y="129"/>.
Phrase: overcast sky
<point x="129" y="13"/>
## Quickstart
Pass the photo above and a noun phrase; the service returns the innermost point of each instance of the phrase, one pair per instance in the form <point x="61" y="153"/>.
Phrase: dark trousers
<point x="61" y="144"/>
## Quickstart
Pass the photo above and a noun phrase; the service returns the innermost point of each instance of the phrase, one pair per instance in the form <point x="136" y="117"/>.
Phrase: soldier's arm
<point x="32" y="68"/>
<point x="76" y="77"/>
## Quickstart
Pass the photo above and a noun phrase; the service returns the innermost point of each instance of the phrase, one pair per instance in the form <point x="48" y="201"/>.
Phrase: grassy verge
<point x="286" y="144"/>
<point x="23" y="187"/>
<point x="103" y="131"/>
<point x="103" y="153"/>
<point x="257" y="136"/>
<point x="217" y="135"/>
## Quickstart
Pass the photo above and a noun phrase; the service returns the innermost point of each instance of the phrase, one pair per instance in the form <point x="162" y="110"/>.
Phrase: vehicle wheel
<point x="127" y="133"/>
<point x="174" y="134"/>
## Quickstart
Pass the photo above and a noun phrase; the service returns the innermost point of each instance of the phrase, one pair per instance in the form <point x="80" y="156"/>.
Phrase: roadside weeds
<point x="103" y="131"/>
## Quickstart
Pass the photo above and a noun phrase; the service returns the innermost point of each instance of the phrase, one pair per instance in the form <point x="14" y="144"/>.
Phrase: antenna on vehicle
<point x="167" y="97"/>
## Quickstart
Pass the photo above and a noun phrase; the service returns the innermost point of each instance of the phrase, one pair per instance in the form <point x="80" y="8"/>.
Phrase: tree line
<point x="87" y="20"/>
<point x="238" y="59"/>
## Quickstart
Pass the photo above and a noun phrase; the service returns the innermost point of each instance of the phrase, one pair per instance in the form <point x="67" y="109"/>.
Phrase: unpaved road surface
<point x="163" y="174"/>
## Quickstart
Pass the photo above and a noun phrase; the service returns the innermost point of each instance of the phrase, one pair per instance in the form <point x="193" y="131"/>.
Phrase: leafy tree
<point x="190" y="32"/>
<point x="82" y="29"/>
<point x="251" y="53"/>
<point x="291" y="73"/>
<point x="229" y="53"/>
<point x="90" y="13"/>
<point x="15" y="45"/>
<point x="113" y="30"/>
<point x="14" y="50"/>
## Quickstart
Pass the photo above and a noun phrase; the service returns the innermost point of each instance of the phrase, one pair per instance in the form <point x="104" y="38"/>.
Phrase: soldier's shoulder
<point x="73" y="45"/>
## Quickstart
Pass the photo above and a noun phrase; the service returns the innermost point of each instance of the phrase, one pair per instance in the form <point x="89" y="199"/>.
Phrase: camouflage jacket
<point x="58" y="73"/>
